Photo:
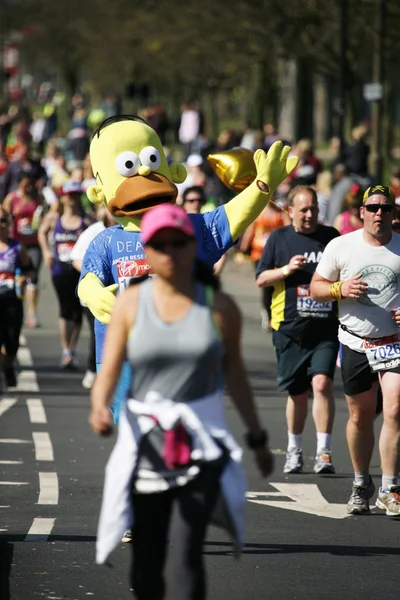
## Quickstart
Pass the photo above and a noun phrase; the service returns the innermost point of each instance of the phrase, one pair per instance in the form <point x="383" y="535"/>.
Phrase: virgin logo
<point x="132" y="268"/>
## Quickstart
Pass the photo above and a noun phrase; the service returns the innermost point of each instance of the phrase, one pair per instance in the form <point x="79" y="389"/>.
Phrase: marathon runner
<point x="362" y="270"/>
<point x="26" y="210"/>
<point x="13" y="257"/>
<point x="304" y="331"/>
<point x="58" y="234"/>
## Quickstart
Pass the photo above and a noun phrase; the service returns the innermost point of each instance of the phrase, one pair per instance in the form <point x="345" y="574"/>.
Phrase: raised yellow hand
<point x="275" y="166"/>
<point x="272" y="168"/>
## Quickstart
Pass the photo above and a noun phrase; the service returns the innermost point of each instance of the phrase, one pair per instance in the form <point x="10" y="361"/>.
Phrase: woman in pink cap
<point x="174" y="457"/>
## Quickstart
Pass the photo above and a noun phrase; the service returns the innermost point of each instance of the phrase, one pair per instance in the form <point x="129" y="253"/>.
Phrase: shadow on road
<point x="17" y="537"/>
<point x="303" y="549"/>
<point x="6" y="557"/>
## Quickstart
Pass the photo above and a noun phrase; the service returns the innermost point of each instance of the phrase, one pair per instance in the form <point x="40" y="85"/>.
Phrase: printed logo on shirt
<point x="382" y="285"/>
<point x="129" y="269"/>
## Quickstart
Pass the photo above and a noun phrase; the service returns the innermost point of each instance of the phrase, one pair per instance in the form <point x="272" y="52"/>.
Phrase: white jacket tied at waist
<point x="205" y="421"/>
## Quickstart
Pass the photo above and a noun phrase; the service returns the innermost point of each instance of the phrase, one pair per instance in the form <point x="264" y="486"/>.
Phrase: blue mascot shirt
<point x="117" y="256"/>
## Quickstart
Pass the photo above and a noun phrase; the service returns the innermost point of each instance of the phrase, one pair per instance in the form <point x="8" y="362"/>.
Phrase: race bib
<point x="25" y="227"/>
<point x="6" y="282"/>
<point x="307" y="306"/>
<point x="130" y="269"/>
<point x="383" y="353"/>
<point x="64" y="250"/>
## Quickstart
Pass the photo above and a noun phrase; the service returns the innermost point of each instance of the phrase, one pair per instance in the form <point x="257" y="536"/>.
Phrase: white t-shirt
<point x="370" y="316"/>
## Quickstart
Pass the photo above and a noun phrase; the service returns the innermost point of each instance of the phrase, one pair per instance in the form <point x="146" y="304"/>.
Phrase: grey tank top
<point x="181" y="360"/>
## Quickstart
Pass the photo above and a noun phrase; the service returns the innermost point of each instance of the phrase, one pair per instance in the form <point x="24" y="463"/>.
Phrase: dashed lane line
<point x="48" y="488"/>
<point x="40" y="530"/>
<point x="14" y="441"/>
<point x="11" y="462"/>
<point x="27" y="379"/>
<point x="14" y="483"/>
<point x="43" y="446"/>
<point x="6" y="404"/>
<point x="36" y="410"/>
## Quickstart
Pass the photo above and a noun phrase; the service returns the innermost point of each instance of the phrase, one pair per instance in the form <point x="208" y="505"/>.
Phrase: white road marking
<point x="48" y="485"/>
<point x="14" y="483"/>
<point x="36" y="410"/>
<point x="27" y="380"/>
<point x="14" y="441"/>
<point x="11" y="462"/>
<point x="43" y="446"/>
<point x="306" y="498"/>
<point x="6" y="404"/>
<point x="40" y="530"/>
<point x="22" y="340"/>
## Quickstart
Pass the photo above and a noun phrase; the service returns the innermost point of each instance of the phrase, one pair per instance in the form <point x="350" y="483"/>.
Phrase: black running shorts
<point x="298" y="362"/>
<point x="357" y="376"/>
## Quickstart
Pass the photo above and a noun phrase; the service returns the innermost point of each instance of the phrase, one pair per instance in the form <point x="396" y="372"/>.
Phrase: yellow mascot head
<point x="131" y="170"/>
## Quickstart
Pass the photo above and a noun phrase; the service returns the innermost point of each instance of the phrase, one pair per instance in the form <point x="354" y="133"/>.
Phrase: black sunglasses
<point x="385" y="208"/>
<point x="176" y="244"/>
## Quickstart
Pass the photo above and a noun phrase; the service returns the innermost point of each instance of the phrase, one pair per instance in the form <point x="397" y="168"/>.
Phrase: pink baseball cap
<point x="165" y="216"/>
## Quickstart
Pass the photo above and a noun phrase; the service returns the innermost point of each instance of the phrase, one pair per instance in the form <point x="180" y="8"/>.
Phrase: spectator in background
<point x="271" y="135"/>
<point x="356" y="155"/>
<point x="3" y="170"/>
<point x="323" y="187"/>
<point x="309" y="166"/>
<point x="23" y="164"/>
<point x="342" y="184"/>
<point x="395" y="182"/>
<point x="349" y="220"/>
<point x="191" y="125"/>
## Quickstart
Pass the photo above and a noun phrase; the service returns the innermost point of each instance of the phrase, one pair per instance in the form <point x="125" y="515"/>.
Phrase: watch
<point x="256" y="441"/>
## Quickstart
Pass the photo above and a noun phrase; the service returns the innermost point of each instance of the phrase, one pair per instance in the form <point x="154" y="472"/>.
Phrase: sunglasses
<point x="175" y="244"/>
<point x="385" y="208"/>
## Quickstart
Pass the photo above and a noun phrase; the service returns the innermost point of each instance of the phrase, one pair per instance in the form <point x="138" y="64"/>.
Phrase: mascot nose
<point x="144" y="170"/>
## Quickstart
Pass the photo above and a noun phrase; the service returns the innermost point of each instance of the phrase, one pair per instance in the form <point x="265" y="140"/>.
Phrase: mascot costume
<point x="132" y="176"/>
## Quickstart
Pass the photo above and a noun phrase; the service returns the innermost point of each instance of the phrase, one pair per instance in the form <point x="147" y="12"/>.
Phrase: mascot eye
<point x="150" y="157"/>
<point x="127" y="164"/>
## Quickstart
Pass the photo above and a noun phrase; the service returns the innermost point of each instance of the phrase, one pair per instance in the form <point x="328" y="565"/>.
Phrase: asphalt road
<point x="300" y="544"/>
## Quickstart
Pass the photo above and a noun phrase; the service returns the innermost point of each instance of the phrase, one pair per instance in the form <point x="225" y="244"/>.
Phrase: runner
<point x="186" y="457"/>
<point x="362" y="270"/>
<point x="304" y="331"/>
<point x="13" y="256"/>
<point x="26" y="211"/>
<point x="349" y="220"/>
<point x="58" y="234"/>
<point x="78" y="252"/>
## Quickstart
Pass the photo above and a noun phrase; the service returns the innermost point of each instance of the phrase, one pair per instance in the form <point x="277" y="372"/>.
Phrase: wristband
<point x="254" y="442"/>
<point x="285" y="270"/>
<point x="335" y="290"/>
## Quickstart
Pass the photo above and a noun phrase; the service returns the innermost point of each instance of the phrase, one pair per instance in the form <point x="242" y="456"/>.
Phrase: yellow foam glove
<point x="99" y="299"/>
<point x="272" y="168"/>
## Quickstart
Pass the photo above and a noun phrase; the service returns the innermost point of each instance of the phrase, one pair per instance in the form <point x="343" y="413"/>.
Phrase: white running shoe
<point x="88" y="380"/>
<point x="294" y="460"/>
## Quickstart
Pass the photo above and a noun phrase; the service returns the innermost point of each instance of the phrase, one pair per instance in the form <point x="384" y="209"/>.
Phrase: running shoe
<point x="88" y="380"/>
<point x="10" y="377"/>
<point x="359" y="499"/>
<point x="389" y="500"/>
<point x="66" y="359"/>
<point x="294" y="460"/>
<point x="323" y="463"/>
<point x="32" y="321"/>
<point x="127" y="537"/>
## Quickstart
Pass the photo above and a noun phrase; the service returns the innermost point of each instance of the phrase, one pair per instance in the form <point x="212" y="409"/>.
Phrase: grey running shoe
<point x="294" y="460"/>
<point x="389" y="500"/>
<point x="359" y="499"/>
<point x="127" y="537"/>
<point x="323" y="462"/>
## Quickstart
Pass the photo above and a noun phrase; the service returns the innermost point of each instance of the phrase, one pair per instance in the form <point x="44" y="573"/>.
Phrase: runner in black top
<point x="304" y="331"/>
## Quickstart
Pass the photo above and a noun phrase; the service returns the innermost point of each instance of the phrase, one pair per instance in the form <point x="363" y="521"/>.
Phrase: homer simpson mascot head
<point x="132" y="176"/>
<point x="131" y="170"/>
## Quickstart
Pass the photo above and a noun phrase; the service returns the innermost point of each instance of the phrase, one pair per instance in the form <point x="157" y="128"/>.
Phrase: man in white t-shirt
<point x="362" y="271"/>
